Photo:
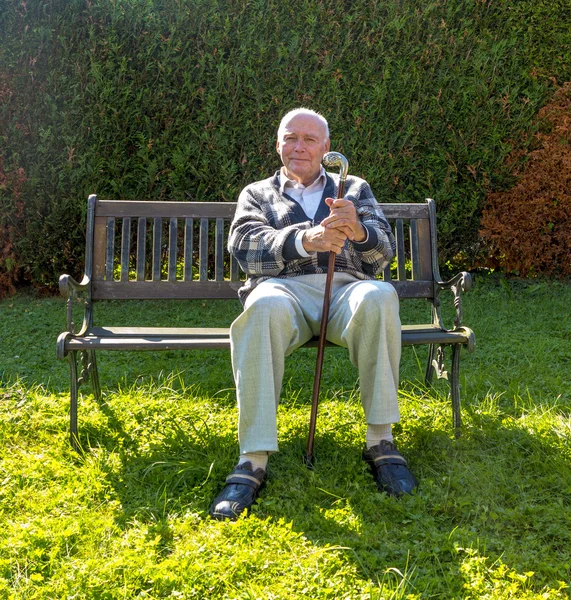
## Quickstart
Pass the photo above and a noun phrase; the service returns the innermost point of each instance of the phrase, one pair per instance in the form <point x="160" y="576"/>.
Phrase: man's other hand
<point x="323" y="239"/>
<point x="343" y="217"/>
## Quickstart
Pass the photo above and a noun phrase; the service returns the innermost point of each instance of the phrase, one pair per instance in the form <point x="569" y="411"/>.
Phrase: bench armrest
<point x="73" y="291"/>
<point x="67" y="283"/>
<point x="461" y="282"/>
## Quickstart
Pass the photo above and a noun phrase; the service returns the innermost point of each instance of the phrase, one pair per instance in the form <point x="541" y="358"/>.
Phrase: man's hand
<point x="321" y="239"/>
<point x="331" y="233"/>
<point x="343" y="217"/>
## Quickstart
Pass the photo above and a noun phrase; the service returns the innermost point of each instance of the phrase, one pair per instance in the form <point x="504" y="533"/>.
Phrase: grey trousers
<point x="282" y="314"/>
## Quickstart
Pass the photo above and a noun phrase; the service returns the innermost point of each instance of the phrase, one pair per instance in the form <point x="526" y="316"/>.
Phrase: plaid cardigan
<point x="262" y="235"/>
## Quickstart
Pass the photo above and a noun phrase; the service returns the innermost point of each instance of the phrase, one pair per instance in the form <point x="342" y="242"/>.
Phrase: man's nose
<point x="300" y="146"/>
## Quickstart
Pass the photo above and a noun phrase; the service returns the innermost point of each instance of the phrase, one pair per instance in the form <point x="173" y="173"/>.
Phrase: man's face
<point x="301" y="146"/>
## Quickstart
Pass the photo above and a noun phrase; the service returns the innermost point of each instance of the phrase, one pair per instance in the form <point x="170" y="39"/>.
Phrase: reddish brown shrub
<point x="528" y="228"/>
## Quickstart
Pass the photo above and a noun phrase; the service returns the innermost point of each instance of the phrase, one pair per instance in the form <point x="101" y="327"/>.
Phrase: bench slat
<point x="203" y="250"/>
<point x="146" y="343"/>
<point x="405" y="211"/>
<point x="183" y="290"/>
<point x="167" y="209"/>
<point x="164" y="209"/>
<point x="196" y="332"/>
<point x="99" y="248"/>
<point x="414" y="249"/>
<point x="141" y="247"/>
<point x="424" y="249"/>
<point x="109" y="249"/>
<point x="188" y="243"/>
<point x="399" y="235"/>
<point x="173" y="232"/>
<point x="219" y="250"/>
<point x="234" y="269"/>
<point x="162" y="290"/>
<point x="125" y="248"/>
<point x="157" y="338"/>
<point x="157" y="246"/>
<point x="209" y="332"/>
<point x="413" y="289"/>
<point x="387" y="276"/>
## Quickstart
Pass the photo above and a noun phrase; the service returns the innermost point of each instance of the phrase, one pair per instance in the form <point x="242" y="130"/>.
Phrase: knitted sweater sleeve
<point x="259" y="243"/>
<point x="376" y="253"/>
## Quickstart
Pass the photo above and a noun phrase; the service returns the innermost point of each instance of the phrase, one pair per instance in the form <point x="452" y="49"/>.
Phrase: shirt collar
<point x="318" y="184"/>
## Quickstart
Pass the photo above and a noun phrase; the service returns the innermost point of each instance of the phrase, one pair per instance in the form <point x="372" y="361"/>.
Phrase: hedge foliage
<point x="180" y="99"/>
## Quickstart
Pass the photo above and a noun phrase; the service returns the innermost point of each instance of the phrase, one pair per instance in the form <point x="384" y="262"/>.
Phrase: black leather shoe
<point x="241" y="491"/>
<point x="390" y="469"/>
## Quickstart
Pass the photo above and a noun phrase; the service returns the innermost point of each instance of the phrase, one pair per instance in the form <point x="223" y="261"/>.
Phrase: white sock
<point x="376" y="433"/>
<point x="259" y="460"/>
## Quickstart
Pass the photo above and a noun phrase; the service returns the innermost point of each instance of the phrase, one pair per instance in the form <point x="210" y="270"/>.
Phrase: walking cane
<point x="331" y="159"/>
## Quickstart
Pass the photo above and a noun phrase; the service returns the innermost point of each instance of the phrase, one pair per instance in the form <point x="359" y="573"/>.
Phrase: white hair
<point x="302" y="111"/>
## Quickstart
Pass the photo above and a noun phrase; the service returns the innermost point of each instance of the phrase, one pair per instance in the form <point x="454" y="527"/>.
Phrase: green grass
<point x="129" y="519"/>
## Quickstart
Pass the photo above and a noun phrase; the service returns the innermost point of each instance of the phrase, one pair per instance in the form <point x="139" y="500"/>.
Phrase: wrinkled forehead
<point x="303" y="125"/>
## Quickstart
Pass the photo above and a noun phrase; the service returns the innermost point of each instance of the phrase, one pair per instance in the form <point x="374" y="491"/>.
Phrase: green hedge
<point x="180" y="99"/>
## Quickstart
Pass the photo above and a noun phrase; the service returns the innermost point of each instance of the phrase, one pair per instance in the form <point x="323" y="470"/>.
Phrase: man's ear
<point x="278" y="147"/>
<point x="327" y="145"/>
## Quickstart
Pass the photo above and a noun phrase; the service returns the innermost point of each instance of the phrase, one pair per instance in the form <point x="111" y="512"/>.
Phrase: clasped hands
<point x="341" y="224"/>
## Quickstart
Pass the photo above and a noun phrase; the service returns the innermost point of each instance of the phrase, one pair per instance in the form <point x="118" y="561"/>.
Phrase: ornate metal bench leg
<point x="73" y="397"/>
<point x="429" y="366"/>
<point x="94" y="374"/>
<point x="455" y="389"/>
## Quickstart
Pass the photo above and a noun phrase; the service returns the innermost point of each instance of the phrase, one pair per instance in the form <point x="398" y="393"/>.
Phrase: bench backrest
<point x="159" y="249"/>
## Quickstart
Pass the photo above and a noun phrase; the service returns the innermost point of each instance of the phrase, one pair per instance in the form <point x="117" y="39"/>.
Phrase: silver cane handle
<point x="336" y="159"/>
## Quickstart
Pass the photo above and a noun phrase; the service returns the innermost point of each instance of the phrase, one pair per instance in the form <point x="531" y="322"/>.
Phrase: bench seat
<point x="195" y="338"/>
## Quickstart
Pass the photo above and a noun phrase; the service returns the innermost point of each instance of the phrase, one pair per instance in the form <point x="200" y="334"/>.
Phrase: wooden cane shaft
<point x="321" y="345"/>
<point x="320" y="353"/>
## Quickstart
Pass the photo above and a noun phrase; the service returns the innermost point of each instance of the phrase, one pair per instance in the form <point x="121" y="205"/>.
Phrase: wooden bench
<point x="170" y="250"/>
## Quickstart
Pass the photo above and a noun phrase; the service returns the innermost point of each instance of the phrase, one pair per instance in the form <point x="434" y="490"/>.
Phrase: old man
<point x="284" y="228"/>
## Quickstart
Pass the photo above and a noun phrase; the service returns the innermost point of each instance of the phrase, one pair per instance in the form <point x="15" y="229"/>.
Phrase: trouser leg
<point x="271" y="327"/>
<point x="364" y="317"/>
<point x="282" y="314"/>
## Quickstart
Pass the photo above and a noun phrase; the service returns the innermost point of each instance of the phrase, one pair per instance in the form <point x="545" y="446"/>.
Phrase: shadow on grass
<point x="500" y="491"/>
<point x="501" y="494"/>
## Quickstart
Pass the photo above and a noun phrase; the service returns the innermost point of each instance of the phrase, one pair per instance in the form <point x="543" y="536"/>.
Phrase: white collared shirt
<point x="308" y="197"/>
